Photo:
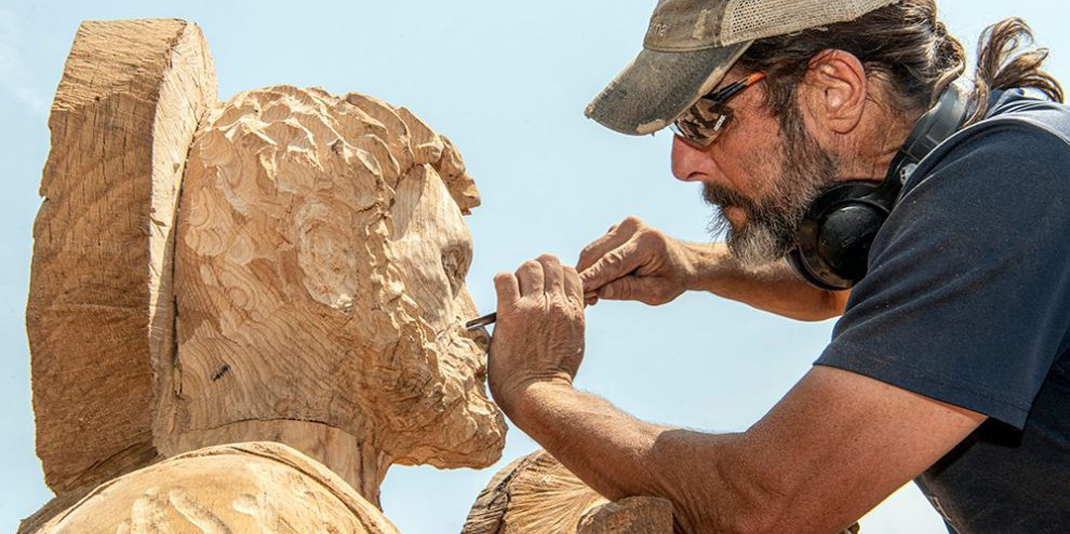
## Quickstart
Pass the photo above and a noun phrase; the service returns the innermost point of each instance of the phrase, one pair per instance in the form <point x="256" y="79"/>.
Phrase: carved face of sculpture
<point x="320" y="263"/>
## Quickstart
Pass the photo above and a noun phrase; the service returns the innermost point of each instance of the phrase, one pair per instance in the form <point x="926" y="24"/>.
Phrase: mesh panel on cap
<point x="746" y="20"/>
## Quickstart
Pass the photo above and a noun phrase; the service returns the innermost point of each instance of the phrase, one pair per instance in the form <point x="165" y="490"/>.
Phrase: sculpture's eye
<point x="455" y="263"/>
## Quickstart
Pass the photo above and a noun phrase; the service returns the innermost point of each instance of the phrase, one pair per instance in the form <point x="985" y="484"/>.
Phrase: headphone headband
<point x="940" y="122"/>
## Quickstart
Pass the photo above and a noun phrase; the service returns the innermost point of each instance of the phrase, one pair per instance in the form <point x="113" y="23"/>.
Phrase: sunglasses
<point x="706" y="119"/>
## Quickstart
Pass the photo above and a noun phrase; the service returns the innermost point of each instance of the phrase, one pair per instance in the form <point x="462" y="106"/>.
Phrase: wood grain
<point x="99" y="314"/>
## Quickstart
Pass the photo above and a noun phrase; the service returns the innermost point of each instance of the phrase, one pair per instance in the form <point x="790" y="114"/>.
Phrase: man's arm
<point x="774" y="288"/>
<point x="832" y="449"/>
<point x="636" y="262"/>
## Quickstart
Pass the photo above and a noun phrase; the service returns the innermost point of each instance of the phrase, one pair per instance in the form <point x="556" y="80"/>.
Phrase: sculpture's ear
<point x="100" y="315"/>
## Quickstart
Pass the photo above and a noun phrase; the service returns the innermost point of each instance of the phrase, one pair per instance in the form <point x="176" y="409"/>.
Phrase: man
<point x="949" y="365"/>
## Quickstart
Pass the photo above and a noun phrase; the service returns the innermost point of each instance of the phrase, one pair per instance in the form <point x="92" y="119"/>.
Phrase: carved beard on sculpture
<point x="769" y="232"/>
<point x="320" y="265"/>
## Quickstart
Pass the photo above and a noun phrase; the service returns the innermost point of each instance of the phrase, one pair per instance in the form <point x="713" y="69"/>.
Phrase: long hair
<point x="905" y="45"/>
<point x="1002" y="63"/>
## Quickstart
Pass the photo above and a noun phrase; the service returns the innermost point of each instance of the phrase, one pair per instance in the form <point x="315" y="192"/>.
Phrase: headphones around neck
<point x="832" y="242"/>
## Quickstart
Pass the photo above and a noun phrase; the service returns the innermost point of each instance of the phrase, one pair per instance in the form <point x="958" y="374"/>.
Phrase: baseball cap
<point x="691" y="44"/>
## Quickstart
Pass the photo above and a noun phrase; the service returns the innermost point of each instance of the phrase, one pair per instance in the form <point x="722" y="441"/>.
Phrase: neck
<point x="868" y="151"/>
<point x="357" y="461"/>
<point x="873" y="156"/>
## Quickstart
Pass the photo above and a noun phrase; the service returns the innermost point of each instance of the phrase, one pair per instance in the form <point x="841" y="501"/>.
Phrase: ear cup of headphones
<point x="833" y="240"/>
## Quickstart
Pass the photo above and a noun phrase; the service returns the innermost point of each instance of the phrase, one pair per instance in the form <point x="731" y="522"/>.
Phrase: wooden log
<point x="631" y="515"/>
<point x="100" y="313"/>
<point x="537" y="495"/>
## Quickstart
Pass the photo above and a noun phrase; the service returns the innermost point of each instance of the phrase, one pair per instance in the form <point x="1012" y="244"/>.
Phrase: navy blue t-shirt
<point x="967" y="301"/>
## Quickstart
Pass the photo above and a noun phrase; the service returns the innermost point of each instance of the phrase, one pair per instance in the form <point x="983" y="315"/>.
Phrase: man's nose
<point x="691" y="163"/>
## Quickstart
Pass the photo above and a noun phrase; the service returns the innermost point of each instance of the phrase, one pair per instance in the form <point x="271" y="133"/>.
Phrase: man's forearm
<point x="774" y="288"/>
<point x="620" y="456"/>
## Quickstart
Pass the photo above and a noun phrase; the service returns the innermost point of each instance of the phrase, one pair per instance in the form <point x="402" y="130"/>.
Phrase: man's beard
<point x="769" y="232"/>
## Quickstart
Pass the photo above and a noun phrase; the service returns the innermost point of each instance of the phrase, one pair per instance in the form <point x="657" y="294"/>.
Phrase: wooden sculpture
<point x="241" y="314"/>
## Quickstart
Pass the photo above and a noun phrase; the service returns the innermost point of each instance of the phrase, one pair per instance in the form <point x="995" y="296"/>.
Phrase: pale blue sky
<point x="507" y="81"/>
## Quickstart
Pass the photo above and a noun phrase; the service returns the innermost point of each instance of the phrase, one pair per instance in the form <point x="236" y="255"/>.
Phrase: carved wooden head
<point x="320" y="262"/>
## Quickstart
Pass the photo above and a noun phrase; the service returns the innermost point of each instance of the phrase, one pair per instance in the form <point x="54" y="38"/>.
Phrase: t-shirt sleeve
<point x="967" y="300"/>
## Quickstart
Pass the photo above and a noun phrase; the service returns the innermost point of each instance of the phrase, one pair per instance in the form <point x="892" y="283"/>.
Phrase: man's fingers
<point x="553" y="276"/>
<point x="617" y="235"/>
<point x="507" y="287"/>
<point x="573" y="286"/>
<point x="617" y="263"/>
<point x="530" y="276"/>
<point x="620" y="289"/>
<point x="632" y="288"/>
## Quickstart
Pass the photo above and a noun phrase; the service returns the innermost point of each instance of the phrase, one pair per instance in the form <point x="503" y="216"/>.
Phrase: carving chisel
<point x="480" y="322"/>
<point x="487" y="320"/>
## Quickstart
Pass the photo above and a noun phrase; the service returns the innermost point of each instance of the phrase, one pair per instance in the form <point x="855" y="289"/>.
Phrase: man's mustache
<point x="723" y="197"/>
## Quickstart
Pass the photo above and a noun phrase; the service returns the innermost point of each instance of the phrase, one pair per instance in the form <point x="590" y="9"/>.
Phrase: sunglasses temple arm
<point x="731" y="90"/>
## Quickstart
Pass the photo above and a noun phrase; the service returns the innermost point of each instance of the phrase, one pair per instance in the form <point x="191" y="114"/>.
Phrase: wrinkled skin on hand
<point x="635" y="262"/>
<point x="539" y="335"/>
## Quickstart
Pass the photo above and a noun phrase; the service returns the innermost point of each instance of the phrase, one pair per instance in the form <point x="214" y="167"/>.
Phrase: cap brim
<point x="658" y="86"/>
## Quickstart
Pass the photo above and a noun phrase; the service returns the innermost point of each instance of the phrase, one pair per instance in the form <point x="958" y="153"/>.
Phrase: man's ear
<point x="834" y="90"/>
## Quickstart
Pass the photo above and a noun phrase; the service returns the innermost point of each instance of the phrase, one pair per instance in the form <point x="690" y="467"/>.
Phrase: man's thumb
<point x="620" y="289"/>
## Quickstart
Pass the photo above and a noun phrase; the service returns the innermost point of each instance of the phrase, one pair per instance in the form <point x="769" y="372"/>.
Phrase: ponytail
<point x="1003" y="64"/>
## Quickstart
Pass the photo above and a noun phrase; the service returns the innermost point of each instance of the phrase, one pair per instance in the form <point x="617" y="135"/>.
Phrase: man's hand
<point x="635" y="262"/>
<point x="540" y="330"/>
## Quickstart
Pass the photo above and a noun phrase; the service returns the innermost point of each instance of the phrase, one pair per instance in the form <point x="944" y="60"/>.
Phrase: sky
<point x="507" y="82"/>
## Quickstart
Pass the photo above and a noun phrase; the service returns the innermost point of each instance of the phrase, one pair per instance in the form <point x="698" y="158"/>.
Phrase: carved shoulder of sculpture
<point x="259" y="487"/>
